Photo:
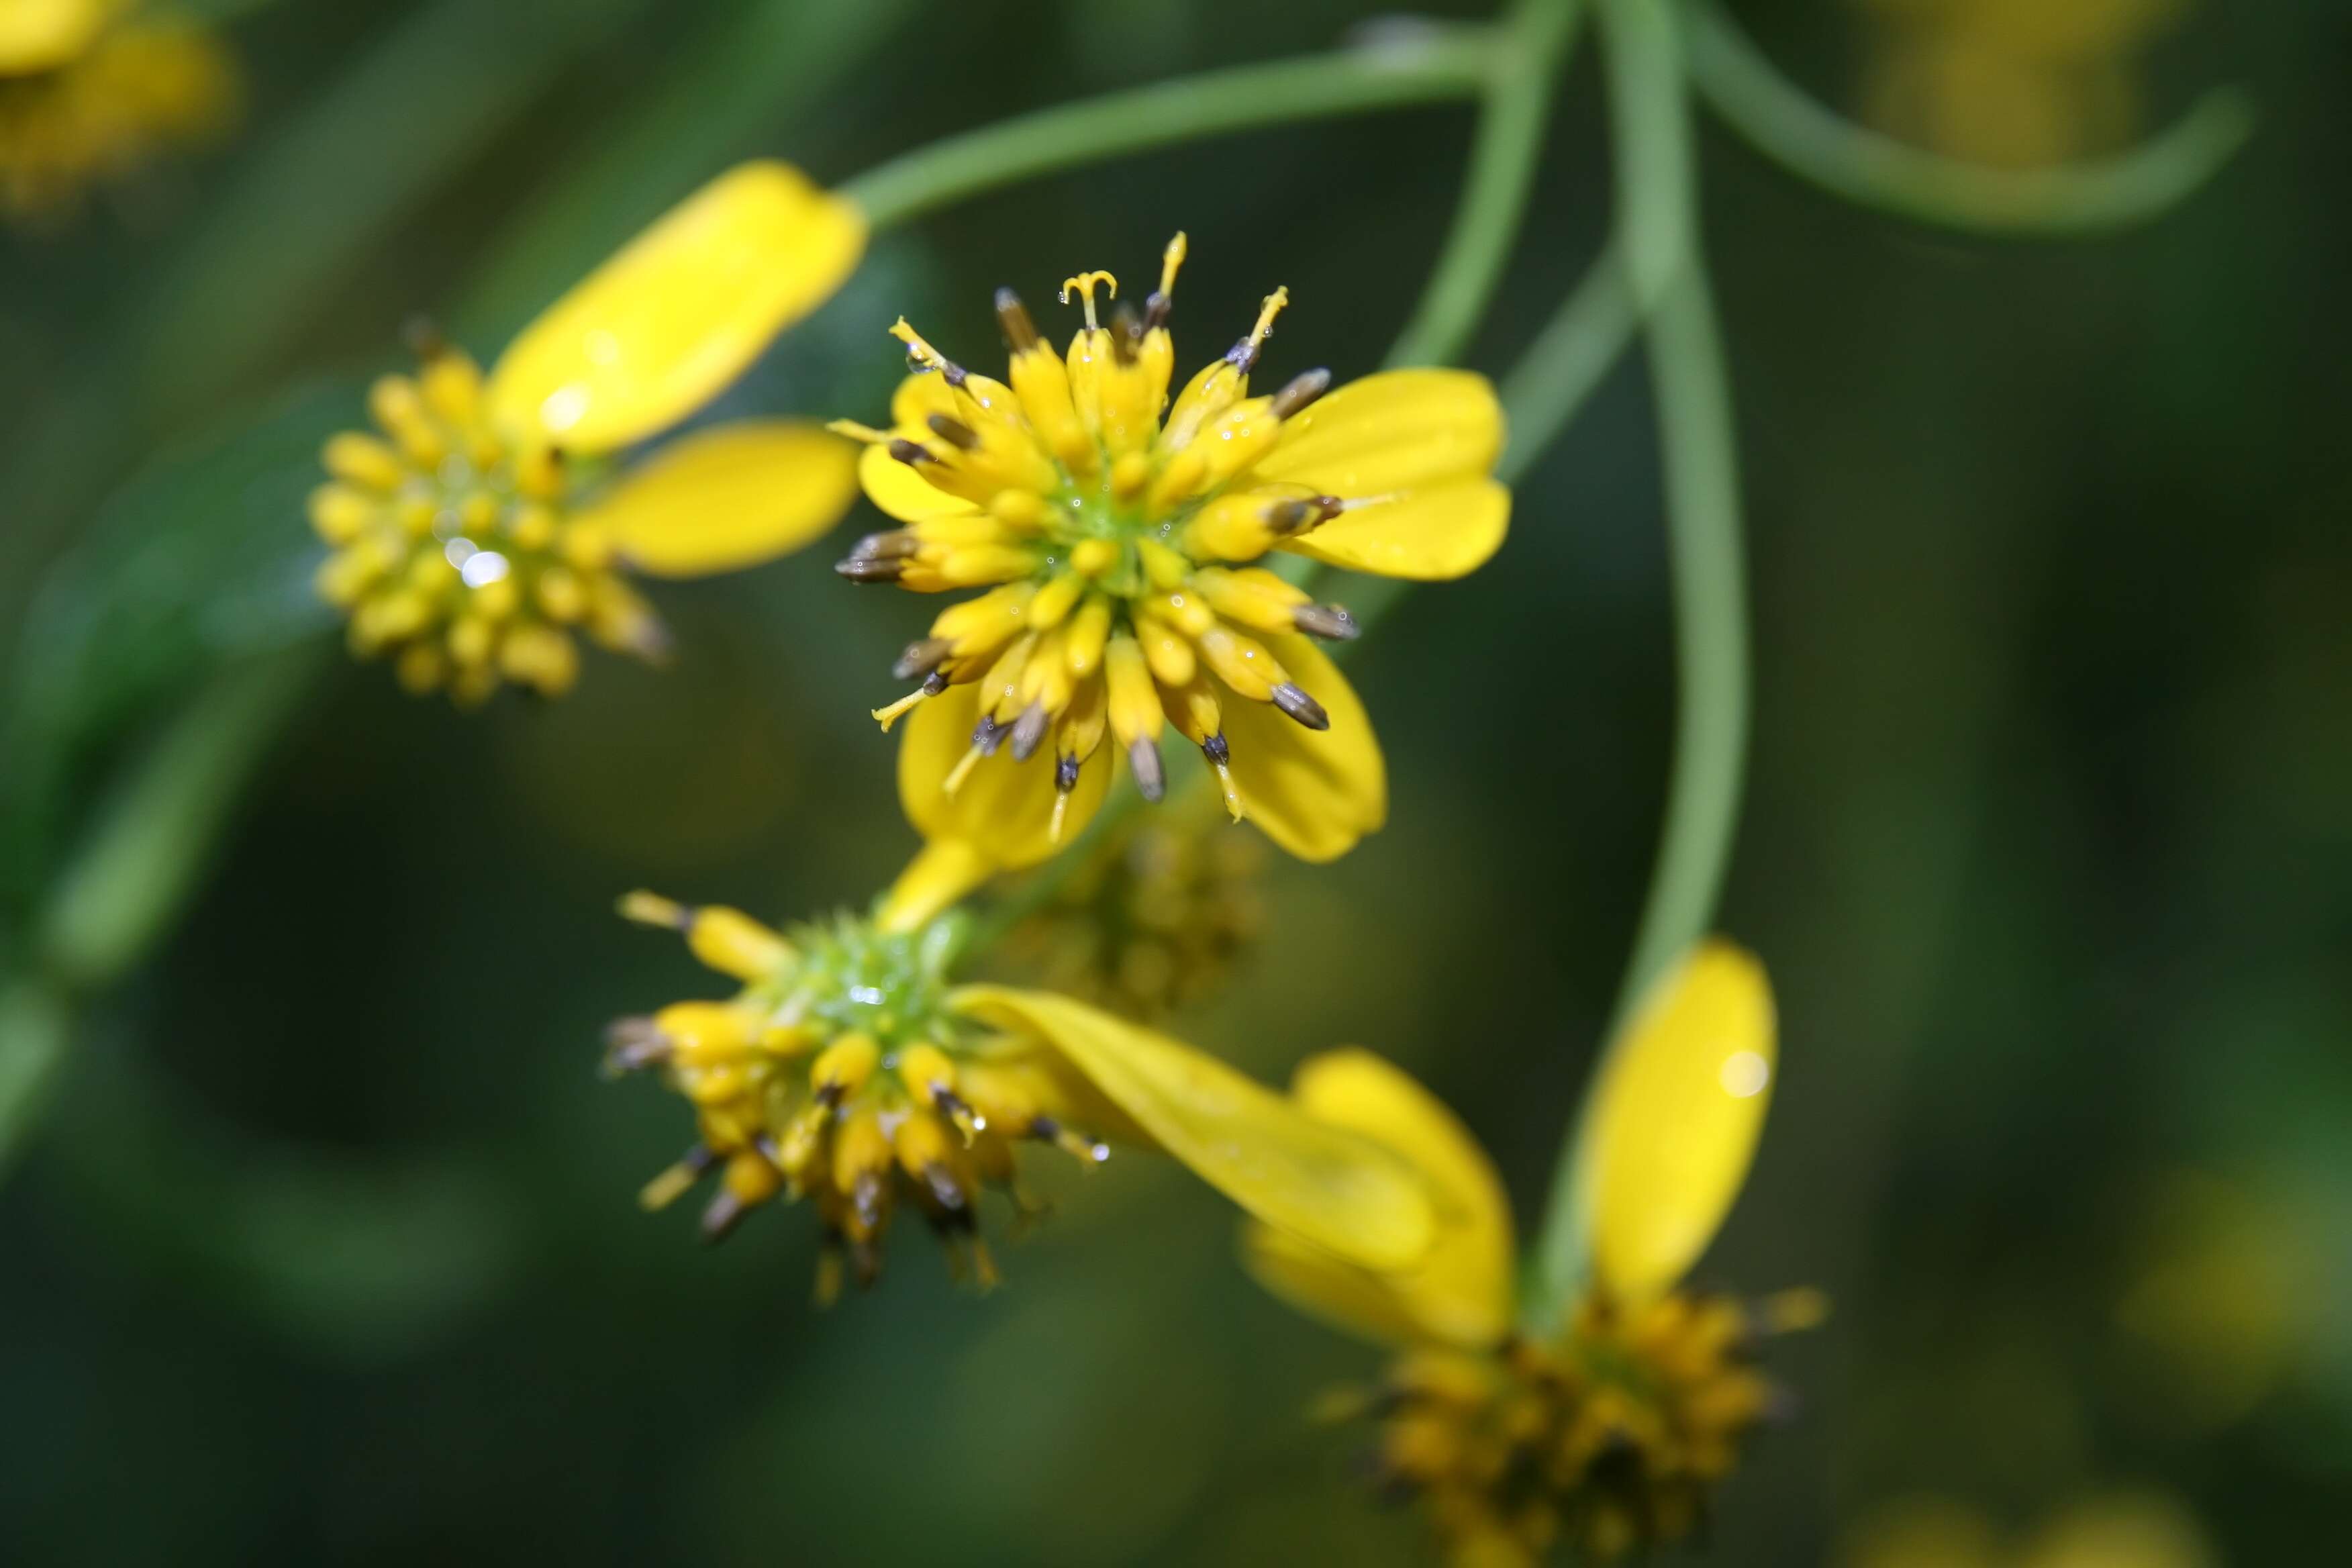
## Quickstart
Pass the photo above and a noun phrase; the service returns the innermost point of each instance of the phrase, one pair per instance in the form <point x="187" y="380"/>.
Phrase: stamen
<point x="1046" y="1129"/>
<point x="962" y="770"/>
<point x="988" y="735"/>
<point x="1029" y="732"/>
<point x="1292" y="701"/>
<point x="632" y="1045"/>
<point x="911" y="453"/>
<point x="671" y="1184"/>
<point x="1155" y="308"/>
<point x="935" y="683"/>
<point x="1085" y="283"/>
<point x="1330" y="622"/>
<point x="1065" y="775"/>
<point x="922" y="657"/>
<point x="857" y="432"/>
<point x="1020" y="332"/>
<point x="1221" y="756"/>
<point x="890" y="715"/>
<point x="725" y="1213"/>
<point x="1301" y="391"/>
<point x="1125" y="335"/>
<point x="870" y="569"/>
<point x="956" y="433"/>
<point x="652" y="910"/>
<point x="945" y="1188"/>
<point x="921" y="356"/>
<point x="1061" y="810"/>
<point x="891" y="544"/>
<point x="1242" y="356"/>
<point x="1290" y="517"/>
<point x="1151" y="773"/>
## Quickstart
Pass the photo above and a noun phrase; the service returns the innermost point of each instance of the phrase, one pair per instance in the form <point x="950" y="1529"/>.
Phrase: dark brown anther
<point x="423" y="337"/>
<point x="1065" y="775"/>
<point x="988" y="735"/>
<point x="1151" y="773"/>
<point x="725" y="1213"/>
<point x="1218" y="749"/>
<point x="891" y="544"/>
<point x="1029" y="732"/>
<point x="912" y="453"/>
<point x="632" y="1045"/>
<point x="921" y="659"/>
<point x="866" y="1262"/>
<point x="1332" y="623"/>
<point x="944" y="1188"/>
<point x="870" y="569"/>
<point x="1155" y="310"/>
<point x="1294" y="702"/>
<point x="1126" y="334"/>
<point x="768" y="1151"/>
<point x="1243" y="356"/>
<point x="830" y="1094"/>
<point x="935" y="683"/>
<point x="954" y="432"/>
<point x="1020" y="332"/>
<point x="1301" y="391"/>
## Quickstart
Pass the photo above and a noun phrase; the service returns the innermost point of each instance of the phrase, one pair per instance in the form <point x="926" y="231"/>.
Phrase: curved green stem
<point x="1566" y="363"/>
<point x="1650" y="114"/>
<point x="1534" y="46"/>
<point x="1435" y="69"/>
<point x="1876" y="171"/>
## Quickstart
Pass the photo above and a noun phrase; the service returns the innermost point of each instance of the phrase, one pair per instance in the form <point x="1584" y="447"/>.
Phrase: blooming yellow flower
<point x="2012" y="83"/>
<point x="2109" y="1530"/>
<point x="90" y="92"/>
<point x="483" y="523"/>
<point x="1117" y="547"/>
<point x="849" y="1071"/>
<point x="1605" y="1430"/>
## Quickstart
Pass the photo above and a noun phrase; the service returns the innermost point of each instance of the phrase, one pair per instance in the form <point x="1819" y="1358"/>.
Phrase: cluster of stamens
<point x="456" y="551"/>
<point x="1115" y="543"/>
<point x="838" y="1074"/>
<point x="1610" y="1440"/>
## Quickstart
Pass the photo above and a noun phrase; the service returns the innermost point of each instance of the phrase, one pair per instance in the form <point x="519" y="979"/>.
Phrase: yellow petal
<point x="1674" y="1119"/>
<point x="920" y="396"/>
<point x="1003" y="809"/>
<point x="1323" y="1285"/>
<point x="1327" y="1186"/>
<point x="41" y="35"/>
<point x="941" y="873"/>
<point x="680" y="311"/>
<point x="1464" y="1293"/>
<point x="1315" y="793"/>
<point x="729" y="496"/>
<point x="1398" y="430"/>
<point x="905" y="494"/>
<point x="1429" y="535"/>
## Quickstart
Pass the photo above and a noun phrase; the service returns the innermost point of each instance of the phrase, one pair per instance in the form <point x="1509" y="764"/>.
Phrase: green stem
<point x="1565" y="364"/>
<point x="1534" y="47"/>
<point x="1443" y="67"/>
<point x="1877" y="170"/>
<point x="1650" y="119"/>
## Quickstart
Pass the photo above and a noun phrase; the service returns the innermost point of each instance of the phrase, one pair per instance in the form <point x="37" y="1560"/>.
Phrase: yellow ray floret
<point x="1118" y="531"/>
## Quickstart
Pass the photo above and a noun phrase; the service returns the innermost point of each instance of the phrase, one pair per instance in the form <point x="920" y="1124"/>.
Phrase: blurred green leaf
<point x="34" y="1024"/>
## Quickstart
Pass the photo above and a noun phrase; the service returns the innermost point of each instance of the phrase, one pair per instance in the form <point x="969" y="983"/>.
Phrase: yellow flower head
<point x="1156" y="920"/>
<point x="849" y="1071"/>
<point x="1117" y="547"/>
<point x="89" y="93"/>
<point x="484" y="521"/>
<point x="1605" y="1430"/>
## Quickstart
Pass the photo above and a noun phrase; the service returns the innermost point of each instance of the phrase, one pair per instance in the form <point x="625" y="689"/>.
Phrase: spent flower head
<point x="92" y="91"/>
<point x="1607" y="1429"/>
<point x="849" y="1071"/>
<point x="485" y="522"/>
<point x="1119" y="554"/>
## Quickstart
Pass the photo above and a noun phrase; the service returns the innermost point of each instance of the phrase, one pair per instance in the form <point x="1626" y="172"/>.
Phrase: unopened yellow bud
<point x="844" y="1065"/>
<point x="340" y="513"/>
<point x="732" y="942"/>
<point x="364" y="460"/>
<point x="704" y="1034"/>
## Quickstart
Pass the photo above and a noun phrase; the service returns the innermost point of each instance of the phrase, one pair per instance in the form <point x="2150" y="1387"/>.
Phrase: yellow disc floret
<point x="456" y="551"/>
<point x="840" y="1074"/>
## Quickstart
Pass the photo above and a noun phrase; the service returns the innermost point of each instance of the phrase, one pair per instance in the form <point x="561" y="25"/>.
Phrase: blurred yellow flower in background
<point x="1607" y="1430"/>
<point x="2011" y="83"/>
<point x="851" y="1072"/>
<point x="1116" y="549"/>
<point x="90" y="91"/>
<point x="483" y="523"/>
<point x="2115" y="1529"/>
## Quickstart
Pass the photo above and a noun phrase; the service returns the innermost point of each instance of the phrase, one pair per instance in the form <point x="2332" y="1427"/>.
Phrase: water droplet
<point x="483" y="568"/>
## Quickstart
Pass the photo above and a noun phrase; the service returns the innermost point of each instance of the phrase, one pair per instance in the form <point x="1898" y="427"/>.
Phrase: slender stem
<point x="1535" y="45"/>
<point x="1650" y="114"/>
<point x="1432" y="68"/>
<point x="1877" y="170"/>
<point x="1566" y="363"/>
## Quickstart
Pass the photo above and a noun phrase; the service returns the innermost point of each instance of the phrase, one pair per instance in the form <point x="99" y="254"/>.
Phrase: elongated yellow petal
<point x="904" y="493"/>
<point x="1325" y="1186"/>
<point x="41" y="35"/>
<point x="1315" y="793"/>
<point x="1674" y="1119"/>
<point x="1429" y="535"/>
<point x="729" y="496"/>
<point x="680" y="311"/>
<point x="1398" y="430"/>
<point x="934" y="881"/>
<point x="1324" y="1284"/>
<point x="1003" y="809"/>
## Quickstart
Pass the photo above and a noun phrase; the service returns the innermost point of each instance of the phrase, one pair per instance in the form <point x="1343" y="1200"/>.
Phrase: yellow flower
<point x="483" y="523"/>
<point x="1156" y="919"/>
<point x="2109" y="1530"/>
<point x="1117" y="547"/>
<point x="1605" y="1430"/>
<point x="90" y="93"/>
<point x="850" y="1071"/>
<point x="2012" y="83"/>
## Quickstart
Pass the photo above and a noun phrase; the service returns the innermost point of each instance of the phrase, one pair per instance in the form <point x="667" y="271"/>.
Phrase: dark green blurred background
<point x="327" y="1249"/>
